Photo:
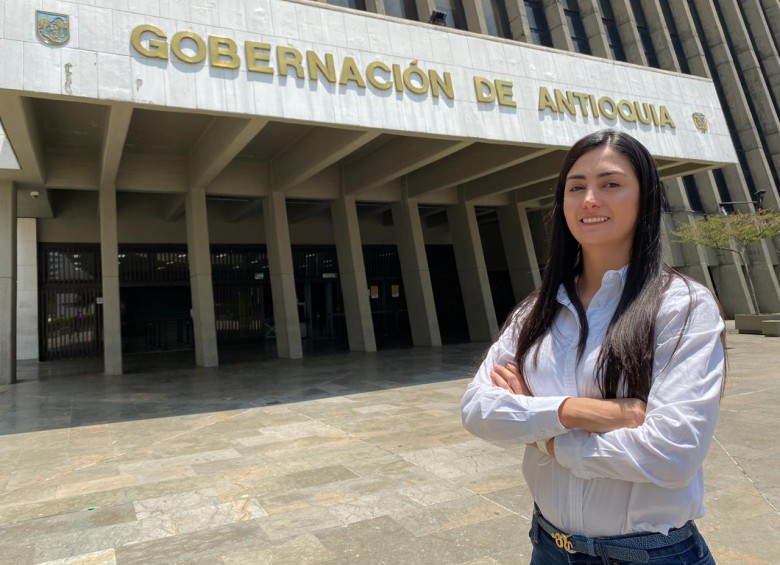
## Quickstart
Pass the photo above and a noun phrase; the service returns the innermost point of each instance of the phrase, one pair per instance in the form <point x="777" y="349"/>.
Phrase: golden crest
<point x="52" y="28"/>
<point x="700" y="121"/>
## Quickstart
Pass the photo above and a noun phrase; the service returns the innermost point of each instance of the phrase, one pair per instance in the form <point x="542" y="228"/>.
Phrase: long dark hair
<point x="625" y="364"/>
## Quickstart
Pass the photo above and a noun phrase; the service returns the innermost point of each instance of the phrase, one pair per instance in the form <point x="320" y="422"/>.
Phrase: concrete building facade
<point x="184" y="174"/>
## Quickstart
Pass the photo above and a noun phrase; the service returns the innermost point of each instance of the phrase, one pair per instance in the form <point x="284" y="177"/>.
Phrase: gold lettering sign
<point x="411" y="79"/>
<point x="264" y="58"/>
<point x="586" y="105"/>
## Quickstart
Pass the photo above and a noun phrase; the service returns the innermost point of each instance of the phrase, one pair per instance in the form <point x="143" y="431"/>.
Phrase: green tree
<point x="733" y="232"/>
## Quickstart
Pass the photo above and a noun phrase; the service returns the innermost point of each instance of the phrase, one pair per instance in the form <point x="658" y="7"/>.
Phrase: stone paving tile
<point x="495" y="535"/>
<point x="450" y="515"/>
<point x="305" y="549"/>
<point x="28" y="531"/>
<point x="298" y="522"/>
<point x="493" y="480"/>
<point x="208" y="544"/>
<point x="16" y="553"/>
<point x="382" y="540"/>
<point x="107" y="557"/>
<point x="517" y="499"/>
<point x="350" y="458"/>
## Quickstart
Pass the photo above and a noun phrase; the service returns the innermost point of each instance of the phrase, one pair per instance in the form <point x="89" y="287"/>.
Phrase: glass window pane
<point x="455" y="13"/>
<point x="354" y="4"/>
<point x="537" y="22"/>
<point x="496" y="18"/>
<point x="406" y="9"/>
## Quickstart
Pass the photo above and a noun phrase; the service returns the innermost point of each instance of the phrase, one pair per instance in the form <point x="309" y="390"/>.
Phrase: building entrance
<point x="156" y="319"/>
<point x="387" y="296"/>
<point x="320" y="303"/>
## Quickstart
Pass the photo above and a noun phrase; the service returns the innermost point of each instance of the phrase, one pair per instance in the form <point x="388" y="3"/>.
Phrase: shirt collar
<point x="611" y="280"/>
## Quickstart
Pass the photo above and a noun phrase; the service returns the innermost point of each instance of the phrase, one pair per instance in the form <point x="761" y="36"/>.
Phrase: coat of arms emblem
<point x="700" y="121"/>
<point x="52" y="28"/>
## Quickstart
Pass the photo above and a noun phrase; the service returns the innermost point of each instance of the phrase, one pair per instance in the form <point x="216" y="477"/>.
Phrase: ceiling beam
<point x="368" y="211"/>
<point x="153" y="172"/>
<point x="682" y="169"/>
<point x="299" y="212"/>
<point x="317" y="150"/>
<point x="536" y="170"/>
<point x="18" y="120"/>
<point x="245" y="211"/>
<point x="467" y="165"/>
<point x="115" y="128"/>
<point x="242" y="178"/>
<point x="221" y="141"/>
<point x="665" y="163"/>
<point x="395" y="159"/>
<point x="72" y="170"/>
<point x="536" y="191"/>
<point x="176" y="210"/>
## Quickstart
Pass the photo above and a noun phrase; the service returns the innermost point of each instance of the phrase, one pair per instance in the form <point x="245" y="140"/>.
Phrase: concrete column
<point x="424" y="9"/>
<point x="7" y="283"/>
<point x="375" y="6"/>
<point x="691" y="43"/>
<point x="519" y="249"/>
<point x="747" y="131"/>
<point x="352" y="271"/>
<point x="695" y="259"/>
<point x="414" y="271"/>
<point x="753" y="77"/>
<point x="27" y="289"/>
<point x="518" y="20"/>
<point x="277" y="237"/>
<point x="689" y="259"/>
<point x="728" y="276"/>
<point x="594" y="27"/>
<point x="199" y="255"/>
<point x="764" y="43"/>
<point x="670" y="253"/>
<point x="472" y="272"/>
<point x="662" y="41"/>
<point x="629" y="34"/>
<point x="772" y="13"/>
<point x="109" y="253"/>
<point x="475" y="16"/>
<point x="559" y="28"/>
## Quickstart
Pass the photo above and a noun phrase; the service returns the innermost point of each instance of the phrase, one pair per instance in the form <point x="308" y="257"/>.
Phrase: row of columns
<point x="472" y="272"/>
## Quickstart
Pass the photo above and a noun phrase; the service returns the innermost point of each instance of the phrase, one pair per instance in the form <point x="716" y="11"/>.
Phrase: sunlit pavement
<point x="341" y="458"/>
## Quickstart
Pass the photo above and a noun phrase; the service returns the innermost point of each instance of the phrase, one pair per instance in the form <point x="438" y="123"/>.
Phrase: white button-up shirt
<point x="644" y="479"/>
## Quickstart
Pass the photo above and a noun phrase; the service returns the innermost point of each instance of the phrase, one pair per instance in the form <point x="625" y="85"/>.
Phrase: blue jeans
<point x="692" y="551"/>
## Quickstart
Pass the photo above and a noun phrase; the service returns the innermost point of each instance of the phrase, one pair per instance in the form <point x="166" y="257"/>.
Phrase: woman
<point x="622" y="365"/>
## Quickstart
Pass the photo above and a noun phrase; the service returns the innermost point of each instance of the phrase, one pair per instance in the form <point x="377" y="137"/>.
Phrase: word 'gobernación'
<point x="259" y="57"/>
<point x="223" y="53"/>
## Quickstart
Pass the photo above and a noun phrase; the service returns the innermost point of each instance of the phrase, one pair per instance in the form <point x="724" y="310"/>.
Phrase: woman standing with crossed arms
<point x="621" y="368"/>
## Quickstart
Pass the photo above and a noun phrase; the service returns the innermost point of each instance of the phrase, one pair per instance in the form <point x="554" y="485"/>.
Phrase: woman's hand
<point x="510" y="379"/>
<point x="602" y="415"/>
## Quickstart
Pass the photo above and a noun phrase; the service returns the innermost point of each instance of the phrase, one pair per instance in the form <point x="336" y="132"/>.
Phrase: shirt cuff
<point x="568" y="450"/>
<point x="546" y="419"/>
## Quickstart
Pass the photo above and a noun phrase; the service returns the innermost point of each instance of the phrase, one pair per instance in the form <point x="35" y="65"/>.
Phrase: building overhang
<point x="316" y="101"/>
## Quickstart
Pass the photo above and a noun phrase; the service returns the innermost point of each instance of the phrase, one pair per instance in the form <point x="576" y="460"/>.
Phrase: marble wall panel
<point x="103" y="28"/>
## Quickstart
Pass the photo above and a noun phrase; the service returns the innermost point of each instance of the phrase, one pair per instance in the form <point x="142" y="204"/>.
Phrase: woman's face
<point x="601" y="201"/>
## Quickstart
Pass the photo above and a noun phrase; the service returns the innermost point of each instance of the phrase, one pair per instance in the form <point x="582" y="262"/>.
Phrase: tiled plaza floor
<point x="339" y="459"/>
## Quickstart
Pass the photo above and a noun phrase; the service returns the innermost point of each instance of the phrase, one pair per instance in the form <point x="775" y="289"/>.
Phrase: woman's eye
<point x="612" y="185"/>
<point x="574" y="188"/>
